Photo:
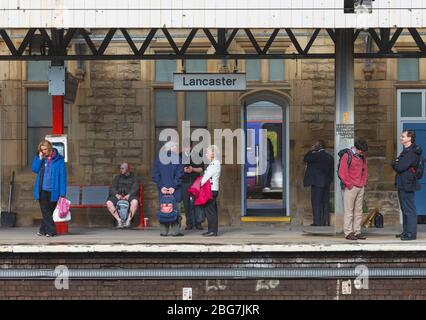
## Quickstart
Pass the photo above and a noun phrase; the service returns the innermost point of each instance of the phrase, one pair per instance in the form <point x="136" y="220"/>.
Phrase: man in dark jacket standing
<point x="405" y="167"/>
<point x="192" y="170"/>
<point x="168" y="174"/>
<point x="124" y="187"/>
<point x="319" y="175"/>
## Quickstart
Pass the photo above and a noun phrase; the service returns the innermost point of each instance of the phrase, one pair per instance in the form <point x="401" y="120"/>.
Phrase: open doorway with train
<point x="265" y="183"/>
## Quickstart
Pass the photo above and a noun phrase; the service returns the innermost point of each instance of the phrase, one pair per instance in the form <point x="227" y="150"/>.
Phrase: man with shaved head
<point x="124" y="187"/>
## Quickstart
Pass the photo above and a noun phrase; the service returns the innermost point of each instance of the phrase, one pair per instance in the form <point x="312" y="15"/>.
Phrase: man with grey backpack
<point x="123" y="201"/>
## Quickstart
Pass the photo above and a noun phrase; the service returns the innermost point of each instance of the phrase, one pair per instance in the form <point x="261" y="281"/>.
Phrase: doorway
<point x="265" y="185"/>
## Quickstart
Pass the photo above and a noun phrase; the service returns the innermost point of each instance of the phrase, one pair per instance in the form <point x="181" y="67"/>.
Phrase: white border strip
<point x="214" y="248"/>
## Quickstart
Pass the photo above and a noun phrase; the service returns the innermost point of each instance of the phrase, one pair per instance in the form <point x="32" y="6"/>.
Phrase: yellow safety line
<point x="266" y="219"/>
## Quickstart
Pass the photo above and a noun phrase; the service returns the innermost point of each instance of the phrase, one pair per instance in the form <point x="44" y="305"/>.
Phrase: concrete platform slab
<point x="231" y="239"/>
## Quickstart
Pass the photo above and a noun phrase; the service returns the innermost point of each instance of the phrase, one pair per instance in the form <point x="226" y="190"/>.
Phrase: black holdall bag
<point x="378" y="220"/>
<point x="8" y="218"/>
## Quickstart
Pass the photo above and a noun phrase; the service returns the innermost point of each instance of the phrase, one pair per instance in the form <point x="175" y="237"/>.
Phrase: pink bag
<point x="194" y="189"/>
<point x="63" y="207"/>
<point x="205" y="194"/>
<point x="201" y="194"/>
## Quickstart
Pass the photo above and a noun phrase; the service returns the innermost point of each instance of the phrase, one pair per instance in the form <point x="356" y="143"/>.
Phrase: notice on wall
<point x="345" y="131"/>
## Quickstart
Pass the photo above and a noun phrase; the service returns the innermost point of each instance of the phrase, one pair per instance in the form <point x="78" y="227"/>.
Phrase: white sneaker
<point x="266" y="189"/>
<point x="127" y="224"/>
<point x="120" y="225"/>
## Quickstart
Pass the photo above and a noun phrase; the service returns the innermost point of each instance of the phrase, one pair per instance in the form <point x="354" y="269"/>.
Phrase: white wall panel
<point x="213" y="14"/>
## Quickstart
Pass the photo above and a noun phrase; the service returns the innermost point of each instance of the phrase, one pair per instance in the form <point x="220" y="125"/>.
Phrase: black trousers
<point x="210" y="210"/>
<point x="267" y="176"/>
<point x="191" y="211"/>
<point x="409" y="216"/>
<point x="47" y="207"/>
<point x="320" y="198"/>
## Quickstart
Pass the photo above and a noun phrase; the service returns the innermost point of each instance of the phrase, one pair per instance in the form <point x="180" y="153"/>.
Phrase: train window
<point x="273" y="136"/>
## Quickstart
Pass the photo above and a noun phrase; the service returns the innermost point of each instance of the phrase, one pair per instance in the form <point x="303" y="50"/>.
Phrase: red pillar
<point x="58" y="128"/>
<point x="58" y="114"/>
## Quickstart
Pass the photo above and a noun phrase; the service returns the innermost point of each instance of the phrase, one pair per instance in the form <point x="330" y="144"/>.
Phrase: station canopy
<point x="273" y="29"/>
<point x="212" y="14"/>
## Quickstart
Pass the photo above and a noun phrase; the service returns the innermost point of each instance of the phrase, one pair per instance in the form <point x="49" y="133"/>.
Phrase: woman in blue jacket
<point x="50" y="184"/>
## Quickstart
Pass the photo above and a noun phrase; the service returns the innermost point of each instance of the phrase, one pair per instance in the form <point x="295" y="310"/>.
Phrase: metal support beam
<point x="55" y="44"/>
<point x="344" y="111"/>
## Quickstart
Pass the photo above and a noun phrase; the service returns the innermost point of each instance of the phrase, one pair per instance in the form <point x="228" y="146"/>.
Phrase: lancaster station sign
<point x="209" y="81"/>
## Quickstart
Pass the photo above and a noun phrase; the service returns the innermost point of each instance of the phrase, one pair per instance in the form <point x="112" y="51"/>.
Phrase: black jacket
<point x="319" y="169"/>
<point x="126" y="184"/>
<point x="189" y="178"/>
<point x="404" y="167"/>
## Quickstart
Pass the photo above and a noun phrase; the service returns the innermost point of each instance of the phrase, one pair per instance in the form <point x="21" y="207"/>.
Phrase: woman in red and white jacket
<point x="212" y="174"/>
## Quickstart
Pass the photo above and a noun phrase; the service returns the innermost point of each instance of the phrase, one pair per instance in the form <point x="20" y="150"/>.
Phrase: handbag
<point x="62" y="211"/>
<point x="201" y="193"/>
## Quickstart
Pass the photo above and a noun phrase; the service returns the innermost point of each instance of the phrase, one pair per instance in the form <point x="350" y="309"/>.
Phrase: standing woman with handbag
<point x="212" y="175"/>
<point x="50" y="184"/>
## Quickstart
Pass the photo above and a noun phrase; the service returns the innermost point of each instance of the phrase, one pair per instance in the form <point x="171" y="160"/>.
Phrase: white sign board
<point x="56" y="76"/>
<point x="60" y="142"/>
<point x="209" y="81"/>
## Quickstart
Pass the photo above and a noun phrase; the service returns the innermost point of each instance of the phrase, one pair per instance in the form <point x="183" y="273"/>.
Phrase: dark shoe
<point x="204" y="233"/>
<point x="314" y="225"/>
<point x="210" y="234"/>
<point x="359" y="236"/>
<point x="188" y="228"/>
<point x="178" y="235"/>
<point x="50" y="235"/>
<point x="163" y="234"/>
<point x="40" y="234"/>
<point x="351" y="236"/>
<point x="408" y="238"/>
<point x="199" y="228"/>
<point x="400" y="235"/>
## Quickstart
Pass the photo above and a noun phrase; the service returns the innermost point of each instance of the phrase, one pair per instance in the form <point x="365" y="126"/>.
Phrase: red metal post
<point x="58" y="114"/>
<point x="58" y="128"/>
<point x="142" y="224"/>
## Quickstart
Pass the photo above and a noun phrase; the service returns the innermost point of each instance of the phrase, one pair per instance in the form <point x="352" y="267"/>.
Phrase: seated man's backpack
<point x="168" y="209"/>
<point x="123" y="209"/>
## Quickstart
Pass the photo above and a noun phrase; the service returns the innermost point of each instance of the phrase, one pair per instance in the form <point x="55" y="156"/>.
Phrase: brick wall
<point x="215" y="289"/>
<point x="406" y="289"/>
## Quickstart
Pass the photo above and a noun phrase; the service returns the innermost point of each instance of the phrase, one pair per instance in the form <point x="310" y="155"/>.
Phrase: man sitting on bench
<point x="124" y="187"/>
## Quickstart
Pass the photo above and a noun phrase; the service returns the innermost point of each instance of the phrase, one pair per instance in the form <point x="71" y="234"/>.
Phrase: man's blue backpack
<point x="168" y="209"/>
